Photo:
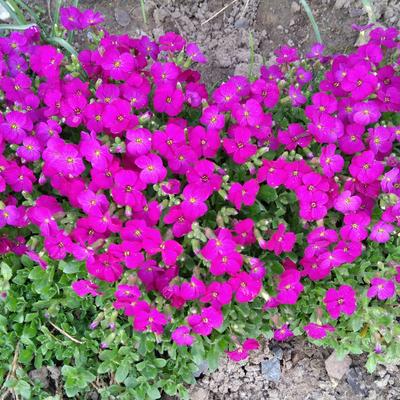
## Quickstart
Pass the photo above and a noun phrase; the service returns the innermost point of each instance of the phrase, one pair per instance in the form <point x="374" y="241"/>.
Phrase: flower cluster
<point x="131" y="167"/>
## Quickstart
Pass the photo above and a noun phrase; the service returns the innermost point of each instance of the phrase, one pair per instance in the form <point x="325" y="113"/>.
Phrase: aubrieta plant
<point x="192" y="223"/>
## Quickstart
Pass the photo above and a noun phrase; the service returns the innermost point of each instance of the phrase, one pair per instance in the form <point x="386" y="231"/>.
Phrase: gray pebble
<point x="271" y="369"/>
<point x="278" y="352"/>
<point x="122" y="17"/>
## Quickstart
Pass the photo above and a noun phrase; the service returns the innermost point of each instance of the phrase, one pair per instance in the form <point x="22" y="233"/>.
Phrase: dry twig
<point x="65" y="333"/>
<point x="219" y="12"/>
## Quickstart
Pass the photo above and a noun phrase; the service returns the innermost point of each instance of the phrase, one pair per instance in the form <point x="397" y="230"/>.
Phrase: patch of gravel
<point x="303" y="377"/>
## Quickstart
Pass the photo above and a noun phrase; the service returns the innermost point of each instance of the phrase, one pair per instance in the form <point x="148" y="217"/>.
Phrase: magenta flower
<point x="9" y="216"/>
<point x="281" y="241"/>
<point x="117" y="116"/>
<point x="165" y="73"/>
<point x="153" y="243"/>
<point x="118" y="65"/>
<point x="104" y="267"/>
<point x="244" y="230"/>
<point x="340" y="301"/>
<point x="365" y="167"/>
<point x="321" y="103"/>
<point x="286" y="54"/>
<point x="212" y="118"/>
<point x="355" y="227"/>
<point x="331" y="163"/>
<point x="283" y="333"/>
<point x="248" y="114"/>
<point x="46" y="60"/>
<point x="289" y="287"/>
<point x="246" y="288"/>
<point x="195" y="54"/>
<point x="243" y="194"/>
<point x="205" y="143"/>
<point x="381" y="139"/>
<point x="359" y="82"/>
<point x="172" y="42"/>
<point x="351" y="142"/>
<point x="381" y="232"/>
<point x="193" y="205"/>
<point x="181" y="224"/>
<point x="84" y="287"/>
<point x="153" y="319"/>
<point x="152" y="169"/>
<point x="91" y="18"/>
<point x="316" y="51"/>
<point x="217" y="294"/>
<point x="221" y="245"/>
<point x="381" y="288"/>
<point x="318" y="331"/>
<point x="168" y="99"/>
<point x="19" y="178"/>
<point x="58" y="245"/>
<point x="16" y="126"/>
<point x="166" y="141"/>
<point x="192" y="290"/>
<point x="209" y="318"/>
<point x="70" y="18"/>
<point x="346" y="203"/>
<point x="303" y="76"/>
<point x="239" y="147"/>
<point x="242" y="352"/>
<point x="139" y="142"/>
<point x="126" y="190"/>
<point x="181" y="336"/>
<point x="266" y="93"/>
<point x="366" y="113"/>
<point x="202" y="174"/>
<point x="229" y="263"/>
<point x="296" y="96"/>
<point x="294" y="136"/>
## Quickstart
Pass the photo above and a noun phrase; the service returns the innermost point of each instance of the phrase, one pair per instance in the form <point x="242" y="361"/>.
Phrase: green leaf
<point x="267" y="194"/>
<point x="63" y="43"/>
<point x="14" y="11"/>
<point x="153" y="393"/>
<point x="23" y="389"/>
<point x="6" y="271"/>
<point x="13" y="27"/>
<point x="122" y="372"/>
<point x="160" y="362"/>
<point x="371" y="363"/>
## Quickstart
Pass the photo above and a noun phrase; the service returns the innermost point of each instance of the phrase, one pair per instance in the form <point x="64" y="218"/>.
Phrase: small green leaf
<point x="6" y="271"/>
<point x="267" y="194"/>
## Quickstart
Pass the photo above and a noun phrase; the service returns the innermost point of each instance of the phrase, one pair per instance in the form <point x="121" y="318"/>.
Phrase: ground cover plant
<point x="149" y="224"/>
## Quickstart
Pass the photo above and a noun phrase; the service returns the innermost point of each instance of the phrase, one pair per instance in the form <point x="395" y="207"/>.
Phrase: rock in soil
<point x="337" y="368"/>
<point x="271" y="369"/>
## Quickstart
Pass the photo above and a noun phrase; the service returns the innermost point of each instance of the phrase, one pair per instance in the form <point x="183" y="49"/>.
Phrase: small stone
<point x="202" y="368"/>
<point x="4" y="14"/>
<point x="383" y="382"/>
<point x="199" y="393"/>
<point x="122" y="17"/>
<point x="341" y="3"/>
<point x="354" y="379"/>
<point x="271" y="369"/>
<point x="40" y="375"/>
<point x="278" y="352"/>
<point x="242" y="23"/>
<point x="290" y="43"/>
<point x="295" y="7"/>
<point x="335" y="367"/>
